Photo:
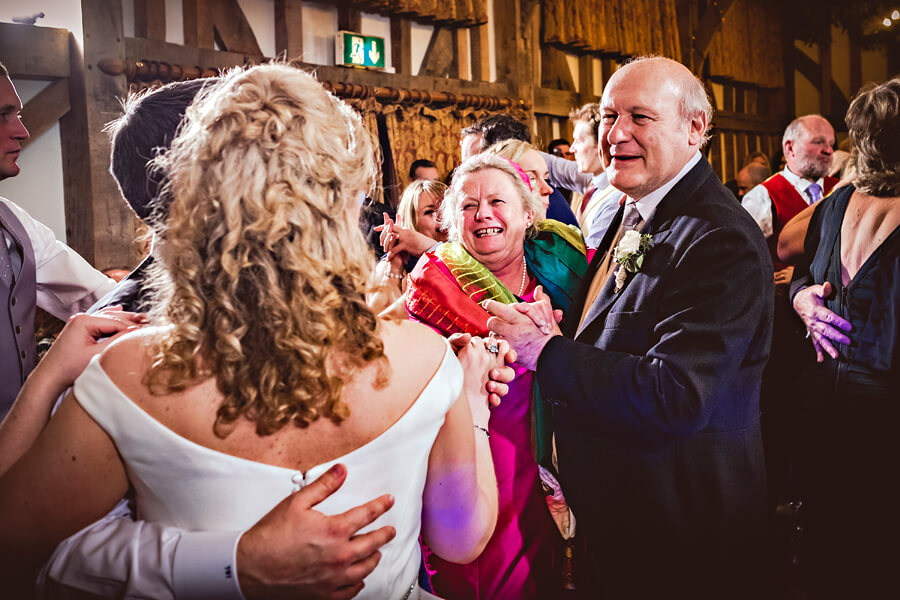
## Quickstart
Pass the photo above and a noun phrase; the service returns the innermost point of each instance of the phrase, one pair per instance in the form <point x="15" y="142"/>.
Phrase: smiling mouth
<point x="488" y="231"/>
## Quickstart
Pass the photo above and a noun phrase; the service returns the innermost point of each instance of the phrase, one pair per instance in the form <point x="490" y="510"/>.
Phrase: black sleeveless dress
<point x="848" y="416"/>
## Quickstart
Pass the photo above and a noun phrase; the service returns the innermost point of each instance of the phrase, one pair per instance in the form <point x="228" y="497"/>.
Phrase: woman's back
<point x="186" y="476"/>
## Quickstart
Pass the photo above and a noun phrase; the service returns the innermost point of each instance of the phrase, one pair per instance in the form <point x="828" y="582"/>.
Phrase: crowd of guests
<point x="522" y="397"/>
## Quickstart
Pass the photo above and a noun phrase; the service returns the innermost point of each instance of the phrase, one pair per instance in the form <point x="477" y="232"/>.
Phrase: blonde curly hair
<point x="264" y="263"/>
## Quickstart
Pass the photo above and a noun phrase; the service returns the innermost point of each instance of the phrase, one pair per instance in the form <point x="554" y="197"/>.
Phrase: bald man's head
<point x="655" y="117"/>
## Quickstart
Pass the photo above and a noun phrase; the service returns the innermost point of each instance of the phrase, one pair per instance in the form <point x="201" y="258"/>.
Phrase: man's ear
<point x="696" y="128"/>
<point x="787" y="146"/>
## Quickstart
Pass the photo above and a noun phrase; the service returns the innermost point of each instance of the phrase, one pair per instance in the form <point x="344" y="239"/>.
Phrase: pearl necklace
<point x="524" y="277"/>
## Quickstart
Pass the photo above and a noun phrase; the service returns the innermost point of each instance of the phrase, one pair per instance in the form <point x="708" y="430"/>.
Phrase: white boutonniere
<point x="629" y="255"/>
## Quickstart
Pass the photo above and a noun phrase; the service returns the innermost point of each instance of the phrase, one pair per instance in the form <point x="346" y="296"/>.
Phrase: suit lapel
<point x="659" y="226"/>
<point x="570" y="326"/>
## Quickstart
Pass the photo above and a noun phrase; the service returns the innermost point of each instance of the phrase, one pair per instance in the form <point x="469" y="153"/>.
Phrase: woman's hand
<point x="823" y="325"/>
<point x="395" y="239"/>
<point x="78" y="342"/>
<point x="500" y="375"/>
<point x="479" y="356"/>
<point x="83" y="337"/>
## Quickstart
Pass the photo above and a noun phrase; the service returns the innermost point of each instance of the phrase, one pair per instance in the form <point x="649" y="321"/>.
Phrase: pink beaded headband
<point x="521" y="172"/>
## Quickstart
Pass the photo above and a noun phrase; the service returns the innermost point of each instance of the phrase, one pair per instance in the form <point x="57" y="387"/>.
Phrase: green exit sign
<point x="358" y="50"/>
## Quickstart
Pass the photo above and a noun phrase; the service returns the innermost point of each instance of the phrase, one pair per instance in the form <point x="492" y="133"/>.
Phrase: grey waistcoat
<point x="17" y="345"/>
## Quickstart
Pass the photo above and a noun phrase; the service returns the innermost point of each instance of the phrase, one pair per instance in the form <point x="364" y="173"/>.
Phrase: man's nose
<point x="18" y="131"/>
<point x="619" y="131"/>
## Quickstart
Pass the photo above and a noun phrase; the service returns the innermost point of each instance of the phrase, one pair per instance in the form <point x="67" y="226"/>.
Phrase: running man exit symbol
<point x="357" y="50"/>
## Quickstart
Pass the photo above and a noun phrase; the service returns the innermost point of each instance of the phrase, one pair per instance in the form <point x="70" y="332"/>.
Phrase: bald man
<point x="654" y="378"/>
<point x="808" y="145"/>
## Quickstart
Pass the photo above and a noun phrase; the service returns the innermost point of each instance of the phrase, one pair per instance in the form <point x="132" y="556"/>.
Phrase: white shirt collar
<point x="800" y="183"/>
<point x="646" y="206"/>
<point x="600" y="180"/>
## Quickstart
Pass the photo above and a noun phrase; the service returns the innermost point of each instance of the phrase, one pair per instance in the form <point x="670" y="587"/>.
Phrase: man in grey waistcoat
<point x="35" y="268"/>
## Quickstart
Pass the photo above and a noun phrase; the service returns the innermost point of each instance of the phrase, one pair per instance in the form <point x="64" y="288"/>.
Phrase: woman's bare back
<point x="868" y="221"/>
<point x="414" y="351"/>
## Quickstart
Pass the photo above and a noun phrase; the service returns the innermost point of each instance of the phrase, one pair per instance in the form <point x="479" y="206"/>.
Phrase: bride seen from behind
<point x="263" y="366"/>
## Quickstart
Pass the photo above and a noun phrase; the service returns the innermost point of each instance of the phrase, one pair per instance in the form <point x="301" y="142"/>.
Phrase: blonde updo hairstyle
<point x="409" y="200"/>
<point x="264" y="263"/>
<point x="453" y="199"/>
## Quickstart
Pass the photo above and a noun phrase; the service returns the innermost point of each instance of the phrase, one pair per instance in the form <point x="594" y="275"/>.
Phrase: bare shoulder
<point x="408" y="340"/>
<point x="127" y="358"/>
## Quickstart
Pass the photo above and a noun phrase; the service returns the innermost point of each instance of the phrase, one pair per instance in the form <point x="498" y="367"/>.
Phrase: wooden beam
<point x="439" y="56"/>
<point x="814" y="73"/>
<point x="232" y="26"/>
<point x="516" y="44"/>
<point x="150" y="19"/>
<point x="461" y="54"/>
<point x="608" y="66"/>
<point x="349" y="18"/>
<point x="824" y="84"/>
<point x="143" y="49"/>
<point x="222" y="21"/>
<point x="401" y="45"/>
<point x="544" y="131"/>
<point x="41" y="112"/>
<point x="31" y="52"/>
<point x="99" y="224"/>
<point x="687" y="12"/>
<point x="73" y="137"/>
<point x="710" y="24"/>
<point x="725" y="120"/>
<point x="172" y="54"/>
<point x="586" y="79"/>
<point x="548" y="101"/>
<point x="289" y="28"/>
<point x="481" y="59"/>
<point x="198" y="27"/>
<point x="555" y="72"/>
<point x="855" y="63"/>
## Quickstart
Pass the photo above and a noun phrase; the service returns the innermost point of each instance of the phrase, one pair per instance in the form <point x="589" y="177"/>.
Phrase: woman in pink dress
<point x="500" y="249"/>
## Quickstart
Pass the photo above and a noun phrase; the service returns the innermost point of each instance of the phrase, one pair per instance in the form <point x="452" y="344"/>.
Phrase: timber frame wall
<point x="530" y="76"/>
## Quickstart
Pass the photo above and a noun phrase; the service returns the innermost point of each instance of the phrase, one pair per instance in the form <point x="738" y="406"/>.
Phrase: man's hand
<point x="526" y="326"/>
<point x="498" y="377"/>
<point x="823" y="325"/>
<point x="783" y="277"/>
<point x="297" y="552"/>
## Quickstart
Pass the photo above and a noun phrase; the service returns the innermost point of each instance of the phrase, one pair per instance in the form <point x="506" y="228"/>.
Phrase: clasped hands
<point x="527" y="326"/>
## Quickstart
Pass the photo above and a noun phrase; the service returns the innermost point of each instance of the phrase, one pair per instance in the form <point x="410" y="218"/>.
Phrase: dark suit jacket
<point x="656" y="404"/>
<point x="132" y="293"/>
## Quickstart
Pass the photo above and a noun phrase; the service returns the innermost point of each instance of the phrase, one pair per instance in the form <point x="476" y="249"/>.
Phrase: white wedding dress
<point x="178" y="482"/>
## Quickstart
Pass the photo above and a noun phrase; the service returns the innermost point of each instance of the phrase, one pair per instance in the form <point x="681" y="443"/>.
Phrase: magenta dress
<point x="522" y="560"/>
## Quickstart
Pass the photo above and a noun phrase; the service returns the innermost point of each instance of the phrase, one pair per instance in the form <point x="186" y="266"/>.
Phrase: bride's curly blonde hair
<point x="264" y="265"/>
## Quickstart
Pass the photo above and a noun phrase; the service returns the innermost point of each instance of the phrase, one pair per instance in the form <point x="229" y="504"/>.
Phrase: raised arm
<point x="78" y="342"/>
<point x="565" y="174"/>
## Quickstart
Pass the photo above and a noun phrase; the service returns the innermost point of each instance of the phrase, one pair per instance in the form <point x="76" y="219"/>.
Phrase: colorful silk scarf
<point x="448" y="286"/>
